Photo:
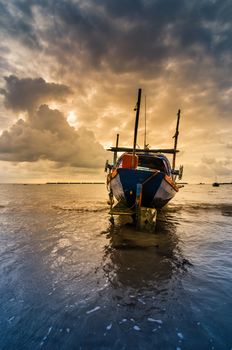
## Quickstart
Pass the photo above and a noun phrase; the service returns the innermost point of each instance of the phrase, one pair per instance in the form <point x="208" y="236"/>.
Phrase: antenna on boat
<point x="175" y="137"/>
<point x="145" y="123"/>
<point x="137" y="108"/>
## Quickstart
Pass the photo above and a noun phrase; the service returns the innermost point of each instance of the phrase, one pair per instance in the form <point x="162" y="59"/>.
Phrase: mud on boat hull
<point x="158" y="188"/>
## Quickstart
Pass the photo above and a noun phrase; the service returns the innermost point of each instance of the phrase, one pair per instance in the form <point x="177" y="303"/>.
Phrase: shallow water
<point x="69" y="280"/>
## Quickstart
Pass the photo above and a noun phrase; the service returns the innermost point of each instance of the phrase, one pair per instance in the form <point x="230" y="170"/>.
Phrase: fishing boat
<point x="141" y="178"/>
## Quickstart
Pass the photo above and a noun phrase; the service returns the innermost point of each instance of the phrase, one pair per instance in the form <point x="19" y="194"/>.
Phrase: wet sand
<point x="71" y="280"/>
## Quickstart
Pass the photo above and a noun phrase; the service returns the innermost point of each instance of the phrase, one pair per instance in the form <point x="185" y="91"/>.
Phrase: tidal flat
<point x="71" y="280"/>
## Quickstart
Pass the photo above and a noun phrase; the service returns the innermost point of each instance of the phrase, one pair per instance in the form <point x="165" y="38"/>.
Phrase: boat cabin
<point x="145" y="161"/>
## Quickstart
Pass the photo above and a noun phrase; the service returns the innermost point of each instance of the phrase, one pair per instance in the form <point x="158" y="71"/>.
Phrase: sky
<point x="70" y="72"/>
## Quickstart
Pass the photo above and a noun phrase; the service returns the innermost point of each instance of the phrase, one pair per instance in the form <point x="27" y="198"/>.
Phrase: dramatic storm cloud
<point x="179" y="52"/>
<point x="27" y="94"/>
<point x="47" y="135"/>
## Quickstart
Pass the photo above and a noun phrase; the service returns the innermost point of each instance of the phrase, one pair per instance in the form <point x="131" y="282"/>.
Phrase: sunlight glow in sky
<point x="70" y="71"/>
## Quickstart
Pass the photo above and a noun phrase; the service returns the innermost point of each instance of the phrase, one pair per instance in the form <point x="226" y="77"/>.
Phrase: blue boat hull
<point x="157" y="191"/>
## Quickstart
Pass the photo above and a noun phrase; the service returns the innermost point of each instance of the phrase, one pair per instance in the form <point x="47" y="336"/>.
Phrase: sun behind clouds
<point x="86" y="60"/>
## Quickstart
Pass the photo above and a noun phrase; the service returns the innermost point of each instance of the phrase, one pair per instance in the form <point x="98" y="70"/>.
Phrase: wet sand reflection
<point x="138" y="259"/>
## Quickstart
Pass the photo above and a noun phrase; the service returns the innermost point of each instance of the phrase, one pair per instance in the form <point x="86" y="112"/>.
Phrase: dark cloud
<point x="17" y="20"/>
<point x="178" y="51"/>
<point x="27" y="93"/>
<point x="123" y="34"/>
<point x="47" y="135"/>
<point x="136" y="34"/>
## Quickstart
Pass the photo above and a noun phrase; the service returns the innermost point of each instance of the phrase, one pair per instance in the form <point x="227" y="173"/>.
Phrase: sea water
<point x="71" y="280"/>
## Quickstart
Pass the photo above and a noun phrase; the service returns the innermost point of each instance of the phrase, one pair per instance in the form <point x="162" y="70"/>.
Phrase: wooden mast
<point x="136" y="126"/>
<point x="175" y="140"/>
<point x="115" y="152"/>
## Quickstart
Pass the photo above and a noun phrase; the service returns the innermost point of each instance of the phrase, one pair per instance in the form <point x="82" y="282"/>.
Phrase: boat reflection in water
<point x="141" y="259"/>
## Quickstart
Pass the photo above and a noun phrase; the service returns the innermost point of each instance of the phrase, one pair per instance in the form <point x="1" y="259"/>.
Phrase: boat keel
<point x="143" y="218"/>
